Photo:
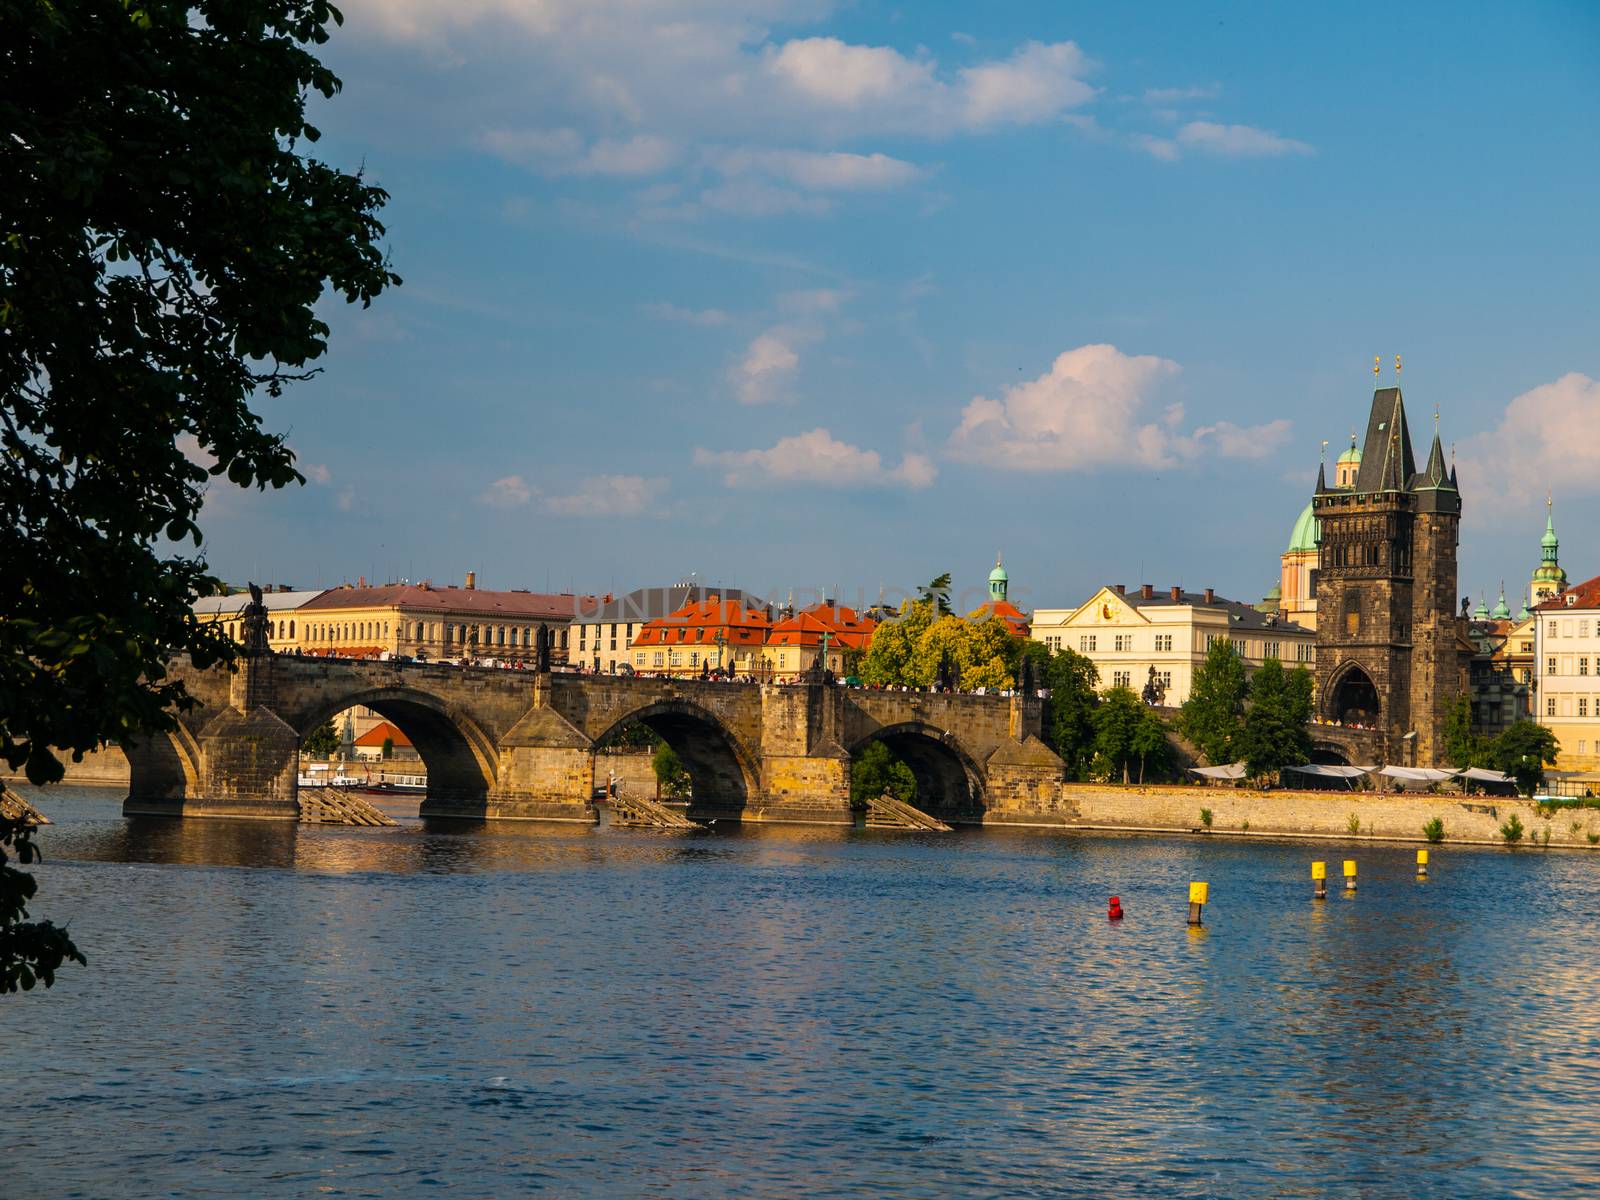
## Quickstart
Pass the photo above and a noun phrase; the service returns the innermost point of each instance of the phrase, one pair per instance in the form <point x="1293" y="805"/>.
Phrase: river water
<point x="281" y="1011"/>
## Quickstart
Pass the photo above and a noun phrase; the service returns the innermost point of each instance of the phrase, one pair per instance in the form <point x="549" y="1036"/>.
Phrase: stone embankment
<point x="1243" y="812"/>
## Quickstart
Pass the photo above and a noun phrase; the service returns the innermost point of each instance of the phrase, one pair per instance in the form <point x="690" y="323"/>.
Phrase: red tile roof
<point x="847" y="627"/>
<point x="381" y="732"/>
<point x="699" y="622"/>
<point x="1587" y="595"/>
<point x="1006" y="611"/>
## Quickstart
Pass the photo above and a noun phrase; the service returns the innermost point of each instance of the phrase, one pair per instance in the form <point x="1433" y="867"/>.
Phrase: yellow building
<point x="603" y="633"/>
<point x="283" y="615"/>
<point x="424" y="621"/>
<point x="1128" y="634"/>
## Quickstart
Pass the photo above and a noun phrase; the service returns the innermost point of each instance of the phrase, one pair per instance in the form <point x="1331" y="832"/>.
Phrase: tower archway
<point x="1353" y="699"/>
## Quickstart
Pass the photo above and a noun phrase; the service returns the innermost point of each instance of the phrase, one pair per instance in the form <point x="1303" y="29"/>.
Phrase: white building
<point x="1126" y="634"/>
<point x="1567" y="658"/>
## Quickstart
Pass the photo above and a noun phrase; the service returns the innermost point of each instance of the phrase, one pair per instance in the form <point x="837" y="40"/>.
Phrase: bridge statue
<point x="254" y="618"/>
<point x="509" y="744"/>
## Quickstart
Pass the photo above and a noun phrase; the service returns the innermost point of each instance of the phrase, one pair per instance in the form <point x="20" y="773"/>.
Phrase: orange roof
<point x="845" y="626"/>
<point x="699" y="623"/>
<point x="381" y="732"/>
<point x="1006" y="611"/>
<point x="1584" y="595"/>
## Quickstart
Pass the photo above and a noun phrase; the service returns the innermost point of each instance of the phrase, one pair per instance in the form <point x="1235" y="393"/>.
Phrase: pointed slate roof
<point x="1387" y="463"/>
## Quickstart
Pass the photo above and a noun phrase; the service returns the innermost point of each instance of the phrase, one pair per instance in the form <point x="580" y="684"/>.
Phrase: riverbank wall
<point x="1323" y="815"/>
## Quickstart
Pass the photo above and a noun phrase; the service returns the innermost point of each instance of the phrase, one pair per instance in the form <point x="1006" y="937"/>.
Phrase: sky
<point x="789" y="294"/>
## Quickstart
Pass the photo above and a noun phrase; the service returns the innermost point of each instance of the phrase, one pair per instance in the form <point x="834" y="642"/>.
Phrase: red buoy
<point x="1115" y="911"/>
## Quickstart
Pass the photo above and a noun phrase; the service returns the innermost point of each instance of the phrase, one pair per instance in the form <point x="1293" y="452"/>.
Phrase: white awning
<point x="1231" y="771"/>
<point x="1418" y="774"/>
<point x="1330" y="771"/>
<point x="1486" y="776"/>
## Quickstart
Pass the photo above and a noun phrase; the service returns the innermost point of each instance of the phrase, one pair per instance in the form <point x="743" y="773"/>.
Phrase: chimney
<point x="1147" y="591"/>
<point x="1121" y="589"/>
<point x="361" y="581"/>
<point x="1211" y="595"/>
<point x="472" y="580"/>
<point x="1177" y="592"/>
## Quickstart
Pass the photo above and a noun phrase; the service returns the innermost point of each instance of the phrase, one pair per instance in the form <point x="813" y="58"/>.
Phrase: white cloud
<point x="1090" y="411"/>
<point x="1237" y="141"/>
<point x="1548" y="439"/>
<point x="317" y="473"/>
<point x="812" y="301"/>
<point x="511" y="491"/>
<point x="1036" y="83"/>
<point x="822" y="171"/>
<point x="564" y="152"/>
<point x="1157" y="147"/>
<point x="833" y="72"/>
<point x="609" y="496"/>
<point x="756" y="198"/>
<point x="768" y="362"/>
<point x="347" y="499"/>
<point x="816" y="457"/>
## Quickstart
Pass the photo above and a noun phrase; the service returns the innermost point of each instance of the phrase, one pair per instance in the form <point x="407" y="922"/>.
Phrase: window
<point x="1124" y="641"/>
<point x="1581" y="746"/>
<point x="1583" y="666"/>
<point x="677" y="659"/>
<point x="1086" y="643"/>
<point x="658" y="658"/>
<point x="1550" y="665"/>
<point x="1166" y="678"/>
<point x="1552" y="629"/>
<point x="638" y="658"/>
<point x="694" y="658"/>
<point x="1583" y="706"/>
<point x="1269" y="649"/>
<point x="1119" y="679"/>
<point x="1164" y="641"/>
<point x="1549" y="706"/>
<point x="1583" y="629"/>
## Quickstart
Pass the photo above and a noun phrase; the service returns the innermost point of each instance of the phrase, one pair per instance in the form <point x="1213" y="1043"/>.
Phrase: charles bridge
<point x="521" y="744"/>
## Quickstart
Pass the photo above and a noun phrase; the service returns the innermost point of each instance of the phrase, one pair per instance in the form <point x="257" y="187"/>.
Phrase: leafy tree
<point x="672" y="777"/>
<point x="889" y="655"/>
<point x="1150" y="744"/>
<point x="30" y="952"/>
<point x="1462" y="747"/>
<point x="1522" y="752"/>
<point x="1213" y="716"/>
<point x="1069" y="729"/>
<point x="388" y="748"/>
<point x="877" y="770"/>
<point x="164" y="245"/>
<point x="1116" y="728"/>
<point x="990" y="654"/>
<point x="322" y="742"/>
<point x="936" y="594"/>
<point x="1274" y="735"/>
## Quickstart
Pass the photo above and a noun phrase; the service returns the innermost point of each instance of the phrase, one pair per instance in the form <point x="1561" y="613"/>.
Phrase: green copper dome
<point x="1481" y="613"/>
<point x="1304" y="536"/>
<point x="998" y="575"/>
<point x="1351" y="455"/>
<point x="1502" y="610"/>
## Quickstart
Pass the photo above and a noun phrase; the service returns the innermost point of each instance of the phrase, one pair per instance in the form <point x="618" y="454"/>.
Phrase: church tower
<point x="999" y="582"/>
<point x="1388" y="635"/>
<point x="1548" y="579"/>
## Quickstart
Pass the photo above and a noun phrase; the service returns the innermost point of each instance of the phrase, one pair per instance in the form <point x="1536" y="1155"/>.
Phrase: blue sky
<point x="799" y="294"/>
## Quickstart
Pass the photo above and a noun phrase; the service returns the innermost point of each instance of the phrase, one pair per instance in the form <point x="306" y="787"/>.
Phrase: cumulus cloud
<point x="1548" y="438"/>
<point x="1090" y="410"/>
<point x="566" y="152"/>
<point x="610" y="496"/>
<point x="1036" y="83"/>
<point x="822" y="171"/>
<point x="768" y="362"/>
<point x="816" y="457"/>
<point x="1237" y="141"/>
<point x="511" y="491"/>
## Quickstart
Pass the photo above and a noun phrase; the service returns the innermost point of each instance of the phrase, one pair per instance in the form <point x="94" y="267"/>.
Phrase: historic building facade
<point x="1130" y="634"/>
<point x="1392" y="653"/>
<point x="1567" y="656"/>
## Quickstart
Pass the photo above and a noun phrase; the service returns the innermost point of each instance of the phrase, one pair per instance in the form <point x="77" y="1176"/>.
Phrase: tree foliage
<point x="1462" y="747"/>
<point x="1073" y="684"/>
<point x="877" y="770"/>
<point x="1522" y="752"/>
<point x="1128" y="731"/>
<point x="322" y="742"/>
<point x="672" y="777"/>
<point x="163" y="244"/>
<point x="936" y="594"/>
<point x="1274" y="733"/>
<point x="30" y="951"/>
<point x="1213" y="716"/>
<point x="908" y="651"/>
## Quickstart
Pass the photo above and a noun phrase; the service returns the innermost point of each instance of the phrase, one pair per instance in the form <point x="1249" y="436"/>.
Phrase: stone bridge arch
<point x="951" y="784"/>
<point x="460" y="756"/>
<point x="724" y="774"/>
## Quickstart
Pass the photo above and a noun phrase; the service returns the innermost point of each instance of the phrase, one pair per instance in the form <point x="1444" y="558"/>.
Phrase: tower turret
<point x="999" y="581"/>
<point x="1548" y="579"/>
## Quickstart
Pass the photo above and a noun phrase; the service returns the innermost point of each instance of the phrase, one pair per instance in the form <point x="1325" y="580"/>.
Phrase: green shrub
<point x="1512" y="829"/>
<point x="1353" y="824"/>
<point x="1594" y="839"/>
<point x="1205" y="817"/>
<point x="1244" y="827"/>
<point x="1434" y="830"/>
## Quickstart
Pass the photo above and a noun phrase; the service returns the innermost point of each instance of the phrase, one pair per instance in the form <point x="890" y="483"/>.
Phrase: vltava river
<point x="279" y="1011"/>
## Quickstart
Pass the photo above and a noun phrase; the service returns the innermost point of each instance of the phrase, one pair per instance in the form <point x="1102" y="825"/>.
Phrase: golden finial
<point x="1324" y="449"/>
<point x="1397" y="366"/>
<point x="1377" y="366"/>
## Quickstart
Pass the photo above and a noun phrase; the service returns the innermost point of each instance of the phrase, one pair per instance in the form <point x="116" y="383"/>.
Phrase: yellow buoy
<point x="1319" y="881"/>
<point x="1349" y="874"/>
<point x="1198" y="894"/>
<point x="1422" y="863"/>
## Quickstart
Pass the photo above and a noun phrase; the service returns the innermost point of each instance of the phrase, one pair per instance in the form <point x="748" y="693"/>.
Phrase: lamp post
<point x="722" y="641"/>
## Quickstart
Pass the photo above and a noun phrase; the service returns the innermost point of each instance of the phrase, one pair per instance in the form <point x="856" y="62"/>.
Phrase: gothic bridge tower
<point x="1389" y="640"/>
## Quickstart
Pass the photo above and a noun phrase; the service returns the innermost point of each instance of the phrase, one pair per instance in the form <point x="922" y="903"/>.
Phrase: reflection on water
<point x="274" y="1010"/>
